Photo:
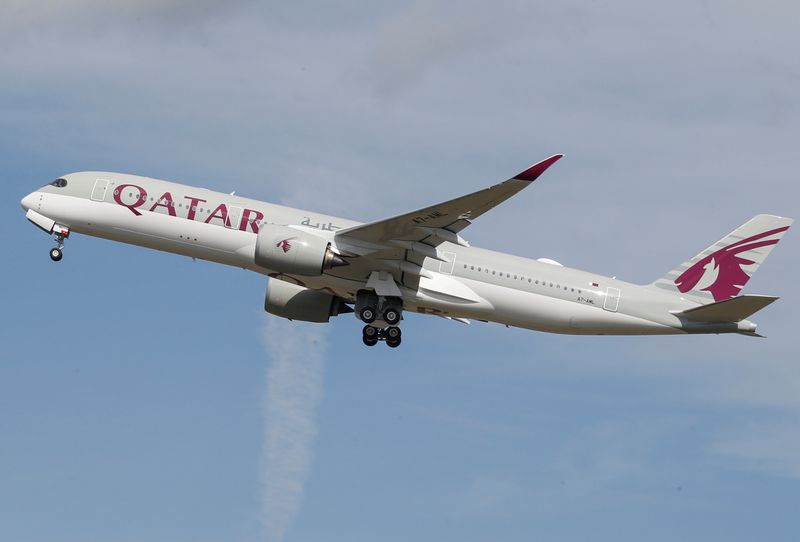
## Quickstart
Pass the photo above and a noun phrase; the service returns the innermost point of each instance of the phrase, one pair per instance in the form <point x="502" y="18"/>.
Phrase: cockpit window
<point x="59" y="183"/>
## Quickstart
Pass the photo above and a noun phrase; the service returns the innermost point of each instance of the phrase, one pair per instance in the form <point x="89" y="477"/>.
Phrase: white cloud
<point x="294" y="391"/>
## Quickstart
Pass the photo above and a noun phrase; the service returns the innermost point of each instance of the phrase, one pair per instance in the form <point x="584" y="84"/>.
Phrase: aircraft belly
<point x="544" y="313"/>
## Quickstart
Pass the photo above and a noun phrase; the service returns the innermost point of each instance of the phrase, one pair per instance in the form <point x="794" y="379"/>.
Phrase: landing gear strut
<point x="60" y="233"/>
<point x="382" y="314"/>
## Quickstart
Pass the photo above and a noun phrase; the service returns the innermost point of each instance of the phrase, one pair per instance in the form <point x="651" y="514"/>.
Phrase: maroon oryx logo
<point x="721" y="271"/>
<point x="284" y="245"/>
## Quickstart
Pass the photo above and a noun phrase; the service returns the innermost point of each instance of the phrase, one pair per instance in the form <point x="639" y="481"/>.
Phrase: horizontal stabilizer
<point x="730" y="310"/>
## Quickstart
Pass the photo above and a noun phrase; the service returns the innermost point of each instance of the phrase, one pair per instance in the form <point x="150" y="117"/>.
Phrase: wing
<point x="442" y="222"/>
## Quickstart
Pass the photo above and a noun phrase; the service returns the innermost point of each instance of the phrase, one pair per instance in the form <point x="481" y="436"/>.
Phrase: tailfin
<point x="721" y="271"/>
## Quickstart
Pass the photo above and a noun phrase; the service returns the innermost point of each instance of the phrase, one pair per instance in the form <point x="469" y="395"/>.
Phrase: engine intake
<point x="291" y="251"/>
<point x="298" y="303"/>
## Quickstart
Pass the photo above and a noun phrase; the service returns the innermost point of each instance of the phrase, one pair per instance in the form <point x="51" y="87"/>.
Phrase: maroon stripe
<point x="533" y="172"/>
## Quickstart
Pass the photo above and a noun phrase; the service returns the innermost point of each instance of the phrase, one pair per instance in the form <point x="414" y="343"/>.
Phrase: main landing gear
<point x="382" y="315"/>
<point x="60" y="233"/>
<point x="371" y="335"/>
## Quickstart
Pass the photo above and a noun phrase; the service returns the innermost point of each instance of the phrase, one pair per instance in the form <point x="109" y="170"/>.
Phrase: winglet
<point x="533" y="172"/>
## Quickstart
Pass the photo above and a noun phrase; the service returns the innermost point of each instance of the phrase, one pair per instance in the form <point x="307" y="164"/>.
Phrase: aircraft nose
<point x="28" y="201"/>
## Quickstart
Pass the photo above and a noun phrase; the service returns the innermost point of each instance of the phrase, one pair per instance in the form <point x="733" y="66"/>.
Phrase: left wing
<point x="441" y="222"/>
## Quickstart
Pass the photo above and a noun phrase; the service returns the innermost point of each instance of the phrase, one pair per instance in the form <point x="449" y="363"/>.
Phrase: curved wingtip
<point x="533" y="172"/>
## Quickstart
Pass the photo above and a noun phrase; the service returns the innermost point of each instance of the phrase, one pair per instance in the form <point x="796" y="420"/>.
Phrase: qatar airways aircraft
<point x="321" y="266"/>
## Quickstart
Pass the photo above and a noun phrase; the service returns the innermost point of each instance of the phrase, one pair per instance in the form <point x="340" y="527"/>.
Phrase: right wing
<point x="442" y="222"/>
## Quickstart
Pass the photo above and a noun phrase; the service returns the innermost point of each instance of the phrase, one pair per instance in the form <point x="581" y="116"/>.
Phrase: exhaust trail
<point x="294" y="390"/>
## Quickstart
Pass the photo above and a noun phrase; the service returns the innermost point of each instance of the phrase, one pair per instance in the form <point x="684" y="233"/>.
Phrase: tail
<point x="721" y="271"/>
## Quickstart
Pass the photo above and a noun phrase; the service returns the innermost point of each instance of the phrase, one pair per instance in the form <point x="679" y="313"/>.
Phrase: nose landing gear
<point x="60" y="233"/>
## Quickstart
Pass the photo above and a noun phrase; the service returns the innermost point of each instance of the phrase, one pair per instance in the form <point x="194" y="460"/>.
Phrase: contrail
<point x="294" y="389"/>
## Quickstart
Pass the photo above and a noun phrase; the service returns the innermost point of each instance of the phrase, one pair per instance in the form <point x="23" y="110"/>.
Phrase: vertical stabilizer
<point x="721" y="271"/>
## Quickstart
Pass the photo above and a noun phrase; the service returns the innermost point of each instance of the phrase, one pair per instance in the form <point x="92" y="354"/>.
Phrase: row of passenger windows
<point x="522" y="278"/>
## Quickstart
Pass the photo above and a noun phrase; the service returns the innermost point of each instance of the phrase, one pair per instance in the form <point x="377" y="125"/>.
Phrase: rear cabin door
<point x="99" y="190"/>
<point x="612" y="299"/>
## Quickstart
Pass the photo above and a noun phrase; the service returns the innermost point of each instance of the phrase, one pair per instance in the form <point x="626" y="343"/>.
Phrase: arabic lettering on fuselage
<point x="134" y="198"/>
<point x="319" y="225"/>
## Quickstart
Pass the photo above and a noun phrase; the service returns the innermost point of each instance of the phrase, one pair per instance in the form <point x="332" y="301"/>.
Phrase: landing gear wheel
<point x="56" y="254"/>
<point x="391" y="316"/>
<point x="369" y="335"/>
<point x="393" y="343"/>
<point x="393" y="333"/>
<point x="367" y="315"/>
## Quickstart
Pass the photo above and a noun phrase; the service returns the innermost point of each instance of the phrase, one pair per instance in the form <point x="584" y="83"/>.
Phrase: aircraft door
<point x="234" y="217"/>
<point x="612" y="299"/>
<point x="99" y="190"/>
<point x="446" y="267"/>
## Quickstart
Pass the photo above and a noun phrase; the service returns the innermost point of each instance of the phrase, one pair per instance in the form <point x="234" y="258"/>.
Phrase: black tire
<point x="369" y="342"/>
<point x="367" y="315"/>
<point x="391" y="316"/>
<point x="370" y="332"/>
<point x="393" y="343"/>
<point x="393" y="333"/>
<point x="56" y="255"/>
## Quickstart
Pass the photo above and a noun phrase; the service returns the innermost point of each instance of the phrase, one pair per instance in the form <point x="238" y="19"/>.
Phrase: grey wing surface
<point x="442" y="222"/>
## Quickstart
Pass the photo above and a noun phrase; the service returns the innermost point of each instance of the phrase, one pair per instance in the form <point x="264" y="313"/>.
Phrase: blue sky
<point x="140" y="392"/>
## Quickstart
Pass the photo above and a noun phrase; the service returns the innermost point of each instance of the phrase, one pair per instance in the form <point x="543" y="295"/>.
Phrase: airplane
<point x="322" y="266"/>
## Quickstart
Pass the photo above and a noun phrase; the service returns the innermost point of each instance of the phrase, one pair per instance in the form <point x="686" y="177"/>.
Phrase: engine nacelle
<point x="291" y="251"/>
<point x="298" y="303"/>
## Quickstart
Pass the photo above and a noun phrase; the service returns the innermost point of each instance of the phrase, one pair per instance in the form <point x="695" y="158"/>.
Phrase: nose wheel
<point x="60" y="234"/>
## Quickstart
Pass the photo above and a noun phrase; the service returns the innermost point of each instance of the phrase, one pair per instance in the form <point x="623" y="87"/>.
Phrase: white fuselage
<point x="465" y="282"/>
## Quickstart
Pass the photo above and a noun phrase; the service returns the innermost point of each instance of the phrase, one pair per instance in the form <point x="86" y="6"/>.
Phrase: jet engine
<point x="291" y="251"/>
<point x="298" y="303"/>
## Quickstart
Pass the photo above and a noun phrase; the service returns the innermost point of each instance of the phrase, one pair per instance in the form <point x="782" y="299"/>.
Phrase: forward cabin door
<point x="99" y="190"/>
<point x="612" y="299"/>
<point x="234" y="217"/>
